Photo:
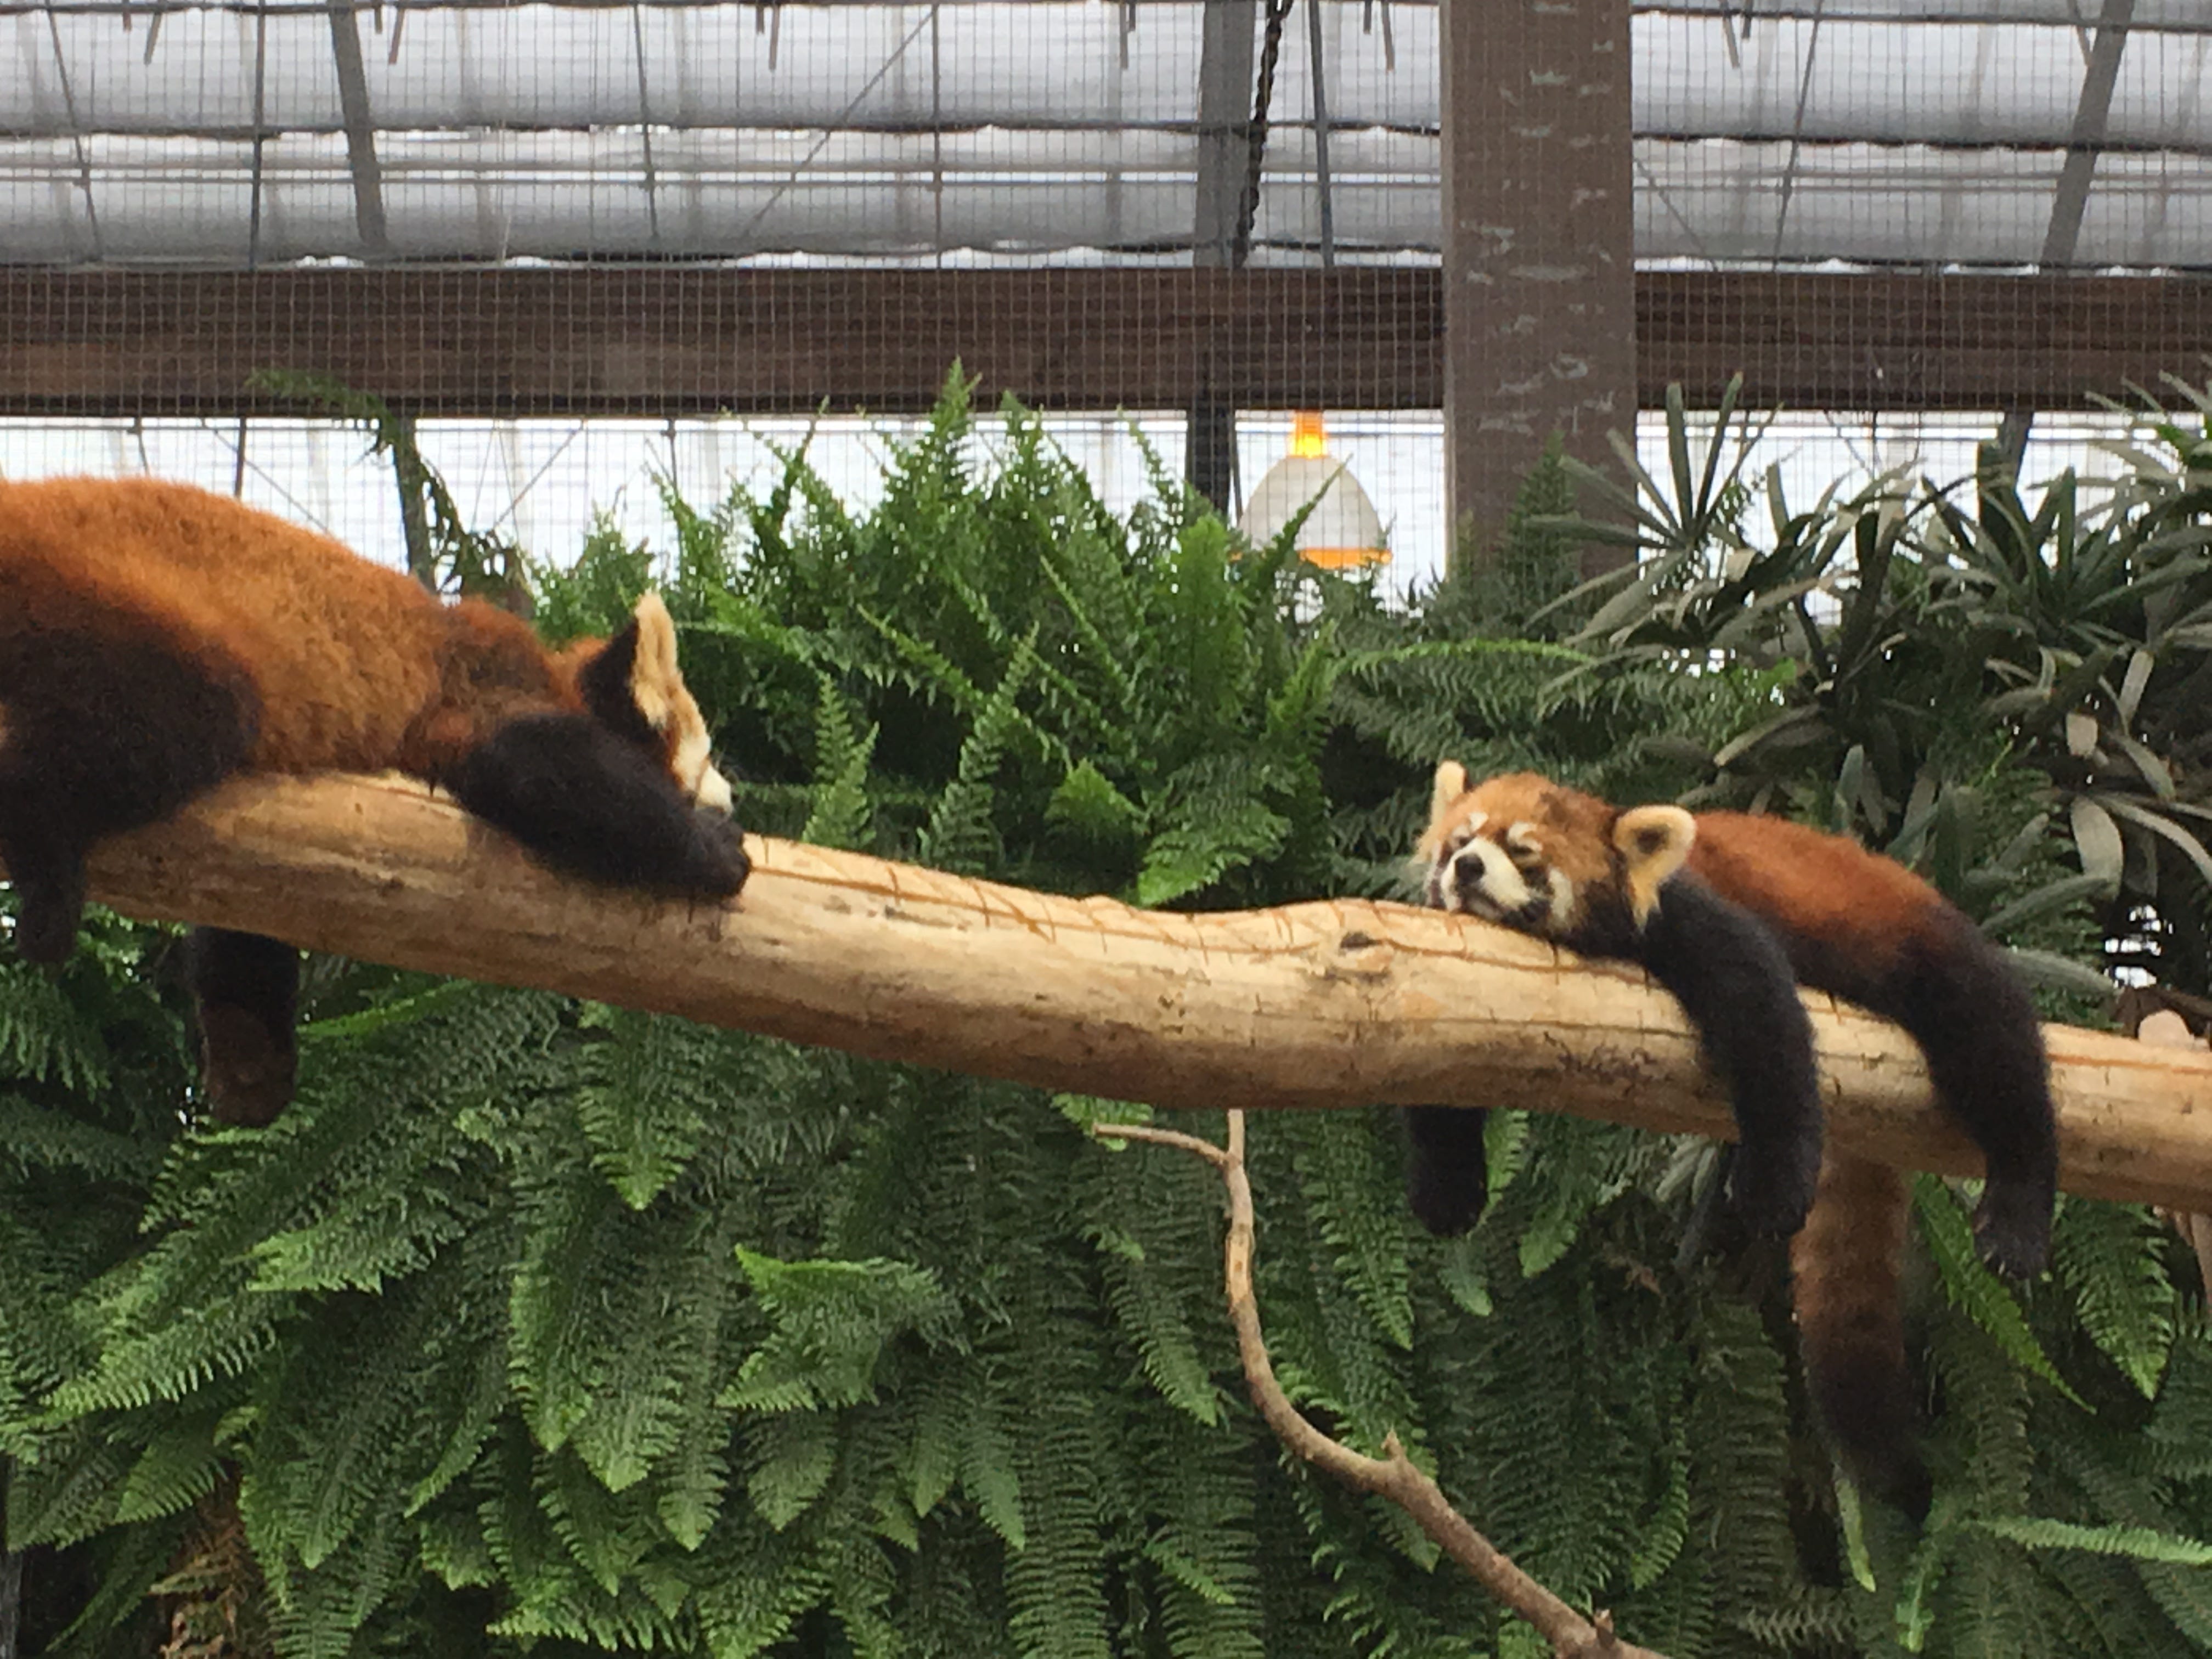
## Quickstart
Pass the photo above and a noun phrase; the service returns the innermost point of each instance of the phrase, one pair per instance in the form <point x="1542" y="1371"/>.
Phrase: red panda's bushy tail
<point x="1848" y="1268"/>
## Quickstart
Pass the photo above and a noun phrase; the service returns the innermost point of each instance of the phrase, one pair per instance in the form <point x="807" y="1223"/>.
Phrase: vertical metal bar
<point x="2092" y="113"/>
<point x="359" y="129"/>
<point x="260" y="132"/>
<point x="1322" y="179"/>
<point x="76" y="135"/>
<point x="645" y="125"/>
<point x="1225" y="109"/>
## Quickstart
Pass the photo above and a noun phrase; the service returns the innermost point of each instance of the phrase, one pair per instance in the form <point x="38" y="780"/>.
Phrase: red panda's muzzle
<point x="1480" y="879"/>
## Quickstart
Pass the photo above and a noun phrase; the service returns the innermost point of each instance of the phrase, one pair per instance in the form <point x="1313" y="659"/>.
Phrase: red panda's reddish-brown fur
<point x="1853" y="923"/>
<point x="1832" y="890"/>
<point x="156" y="639"/>
<point x="344" y="655"/>
<point x="1846" y="1287"/>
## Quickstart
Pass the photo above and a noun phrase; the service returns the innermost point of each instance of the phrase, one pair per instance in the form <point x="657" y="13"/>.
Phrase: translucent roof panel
<point x="1928" y="132"/>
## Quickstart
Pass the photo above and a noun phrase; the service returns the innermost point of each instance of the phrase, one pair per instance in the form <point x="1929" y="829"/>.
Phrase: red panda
<point x="156" y="639"/>
<point x="1685" y="897"/>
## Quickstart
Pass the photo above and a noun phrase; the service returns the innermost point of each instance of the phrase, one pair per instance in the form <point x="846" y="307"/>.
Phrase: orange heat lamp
<point x="1343" y="531"/>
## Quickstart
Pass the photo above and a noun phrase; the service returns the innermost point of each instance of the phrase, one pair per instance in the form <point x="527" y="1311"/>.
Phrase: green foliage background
<point x="548" y="1326"/>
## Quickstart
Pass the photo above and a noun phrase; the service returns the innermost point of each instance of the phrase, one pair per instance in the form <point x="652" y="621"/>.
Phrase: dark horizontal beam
<point x="657" y="341"/>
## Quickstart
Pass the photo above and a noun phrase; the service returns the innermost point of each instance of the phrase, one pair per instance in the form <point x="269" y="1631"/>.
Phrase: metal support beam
<point x="650" y="342"/>
<point x="1538" y="244"/>
<point x="2092" y="111"/>
<point x="360" y="129"/>
<point x="1224" y="112"/>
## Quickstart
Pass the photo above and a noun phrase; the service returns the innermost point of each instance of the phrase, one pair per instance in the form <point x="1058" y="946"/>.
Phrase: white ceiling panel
<point x="1926" y="131"/>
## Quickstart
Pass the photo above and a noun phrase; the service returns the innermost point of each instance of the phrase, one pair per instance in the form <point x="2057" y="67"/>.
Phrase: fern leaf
<point x="646" y="1108"/>
<point x="831" y="1324"/>
<point x="2138" y="1543"/>
<point x="179" y="1466"/>
<point x="988" y="1473"/>
<point x="839" y="813"/>
<point x="40" y="1138"/>
<point x="44" y="1034"/>
<point x="2111" y="1258"/>
<point x="1973" y="1288"/>
<point x="792" y="1455"/>
<point x="1353" y="1192"/>
<point x="752" y="1605"/>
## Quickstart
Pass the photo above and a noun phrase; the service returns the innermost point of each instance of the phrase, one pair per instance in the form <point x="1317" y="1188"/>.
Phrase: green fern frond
<point x="1973" y="1288"/>
<point x="471" y="1392"/>
<point x="989" y="1473"/>
<point x="654" y="1081"/>
<point x="790" y="1455"/>
<point x="840" y="814"/>
<point x="1153" y="1317"/>
<point x="830" y="1324"/>
<point x="179" y="1466"/>
<point x="44" y="1034"/>
<point x="71" y="1492"/>
<point x="1351" y="1187"/>
<point x="2138" y="1543"/>
<point x="1088" y="806"/>
<point x="960" y="836"/>
<point x="40" y="1138"/>
<point x="751" y="1605"/>
<point x="2111" y="1257"/>
<point x="224" y="1339"/>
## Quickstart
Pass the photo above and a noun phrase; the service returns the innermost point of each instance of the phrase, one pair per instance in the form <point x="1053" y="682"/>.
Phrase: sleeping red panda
<point x="1684" y="897"/>
<point x="156" y="639"/>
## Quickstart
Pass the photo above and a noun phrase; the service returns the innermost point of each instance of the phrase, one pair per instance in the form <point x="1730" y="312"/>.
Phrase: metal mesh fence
<point x="583" y="242"/>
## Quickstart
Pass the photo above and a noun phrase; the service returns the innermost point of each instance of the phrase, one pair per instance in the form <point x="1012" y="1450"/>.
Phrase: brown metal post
<point x="1538" y="243"/>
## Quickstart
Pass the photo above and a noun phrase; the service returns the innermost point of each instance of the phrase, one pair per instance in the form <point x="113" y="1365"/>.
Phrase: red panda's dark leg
<point x="1974" y="1022"/>
<point x="245" y="989"/>
<point x="105" y="725"/>
<point x="595" y="804"/>
<point x="1733" y="978"/>
<point x="1447" y="1167"/>
<point x="47" y="869"/>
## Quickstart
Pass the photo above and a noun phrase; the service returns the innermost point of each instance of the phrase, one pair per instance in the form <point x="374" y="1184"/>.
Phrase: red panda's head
<point x="1524" y="851"/>
<point x="631" y="682"/>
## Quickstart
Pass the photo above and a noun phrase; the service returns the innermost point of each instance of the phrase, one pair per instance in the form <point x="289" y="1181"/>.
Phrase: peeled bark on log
<point x="1334" y="1004"/>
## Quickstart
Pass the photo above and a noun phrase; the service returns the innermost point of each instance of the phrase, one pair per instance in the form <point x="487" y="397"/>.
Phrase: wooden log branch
<point x="1393" y="1476"/>
<point x="1332" y="1004"/>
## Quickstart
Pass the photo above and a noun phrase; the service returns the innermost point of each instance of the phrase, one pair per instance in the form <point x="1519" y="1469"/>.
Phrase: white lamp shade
<point x="1342" y="531"/>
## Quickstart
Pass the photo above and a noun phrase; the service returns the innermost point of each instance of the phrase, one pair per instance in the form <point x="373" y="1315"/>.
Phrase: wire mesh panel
<point x="1218" y="209"/>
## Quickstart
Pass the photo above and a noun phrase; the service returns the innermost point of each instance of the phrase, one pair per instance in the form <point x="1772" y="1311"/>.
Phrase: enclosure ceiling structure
<point x="1929" y="133"/>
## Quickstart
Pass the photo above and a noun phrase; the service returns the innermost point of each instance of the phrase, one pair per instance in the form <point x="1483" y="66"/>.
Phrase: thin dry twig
<point x="1393" y="1475"/>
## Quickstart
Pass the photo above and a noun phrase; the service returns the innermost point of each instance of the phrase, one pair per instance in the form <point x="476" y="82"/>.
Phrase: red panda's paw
<point x="1447" y="1171"/>
<point x="718" y="864"/>
<point x="245" y="996"/>
<point x="248" y="1072"/>
<point x="49" y="905"/>
<point x="1772" y="1185"/>
<point x="2011" y="1226"/>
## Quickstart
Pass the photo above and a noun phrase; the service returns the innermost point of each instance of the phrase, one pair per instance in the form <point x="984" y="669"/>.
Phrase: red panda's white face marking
<point x="1523" y="850"/>
<point x="656" y="684"/>
<point x="1499" y="872"/>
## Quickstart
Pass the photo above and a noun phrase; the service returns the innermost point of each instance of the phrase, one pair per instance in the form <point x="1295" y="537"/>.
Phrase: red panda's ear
<point x="1450" y="784"/>
<point x="631" y="680"/>
<point x="605" y="671"/>
<point x="1654" y="842"/>
<point x="655" y="680"/>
